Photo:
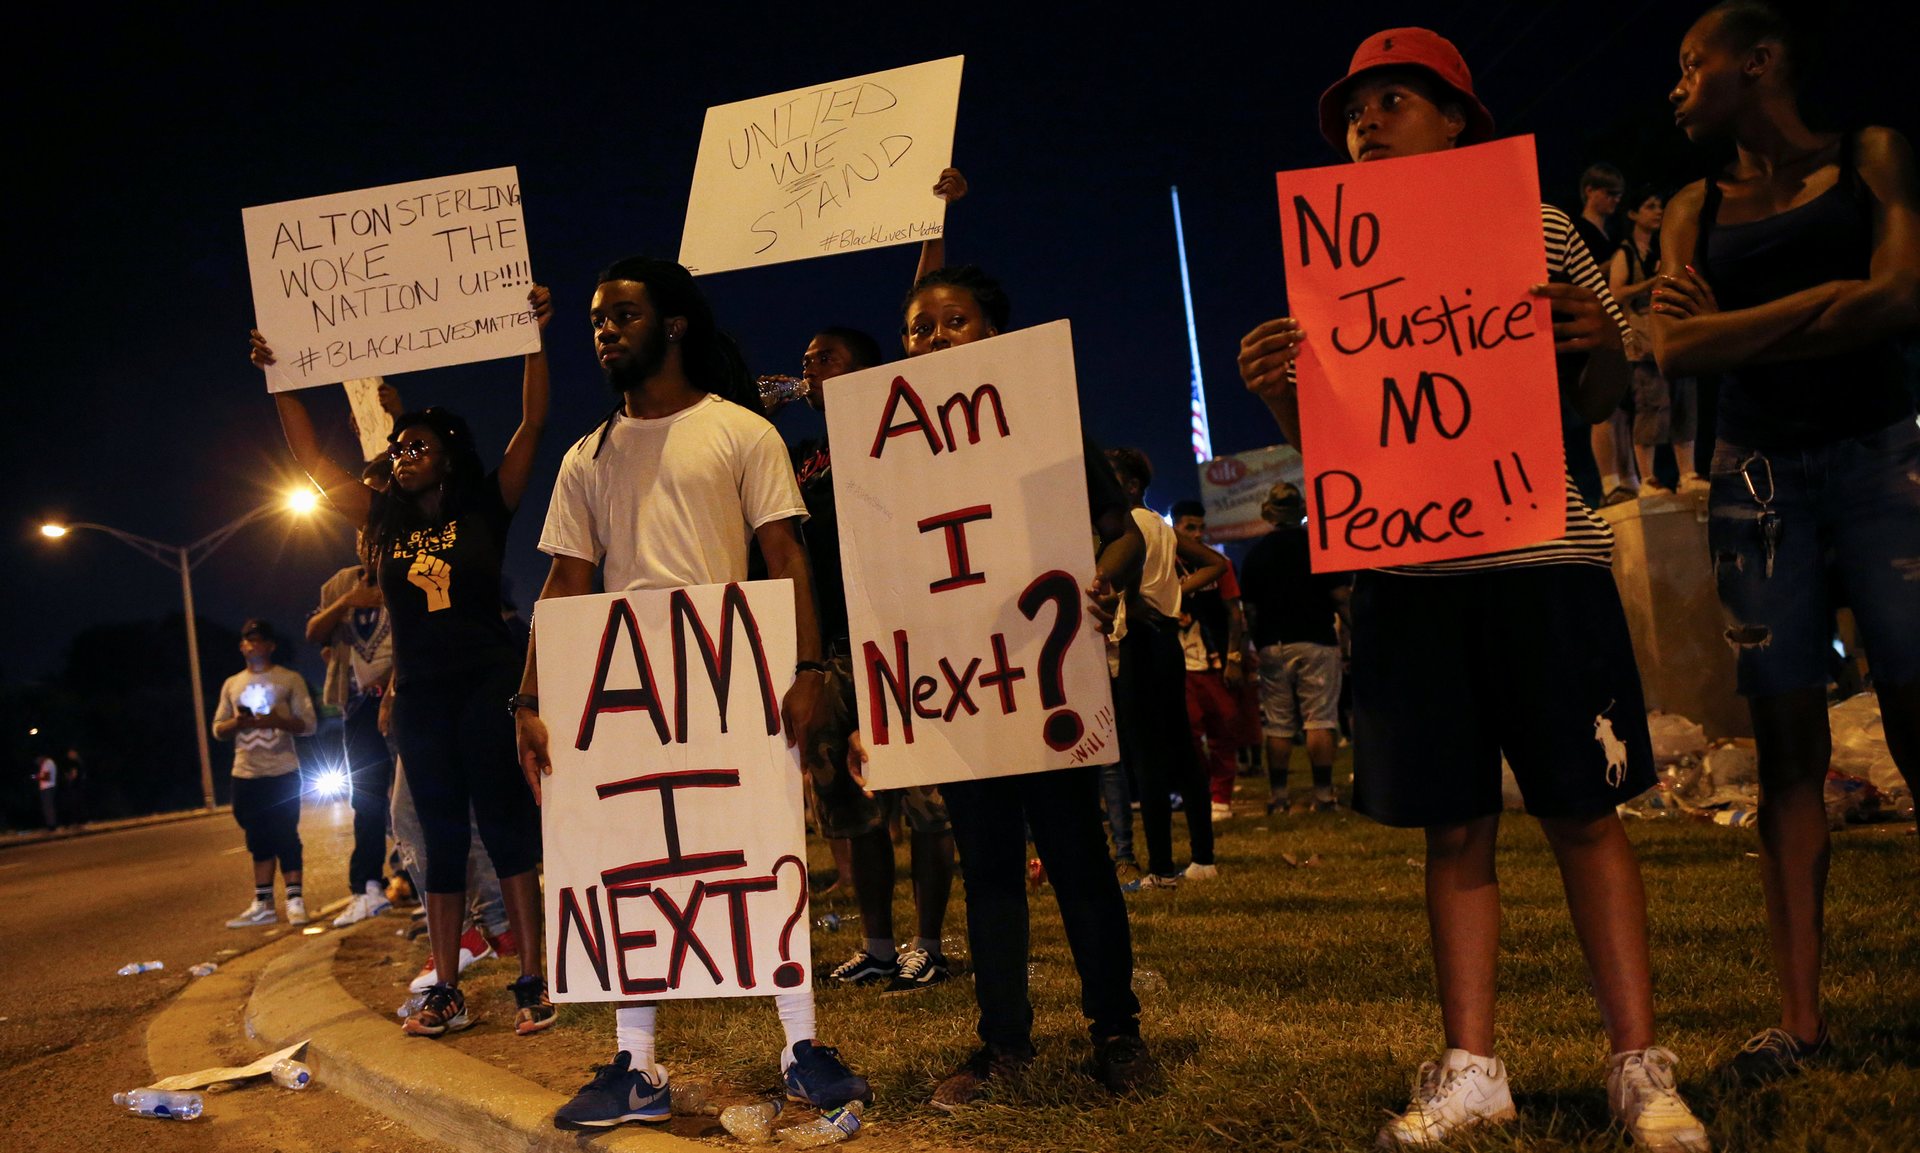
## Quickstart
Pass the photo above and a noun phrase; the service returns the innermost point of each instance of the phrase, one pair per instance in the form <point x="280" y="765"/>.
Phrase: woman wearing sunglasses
<point x="438" y="534"/>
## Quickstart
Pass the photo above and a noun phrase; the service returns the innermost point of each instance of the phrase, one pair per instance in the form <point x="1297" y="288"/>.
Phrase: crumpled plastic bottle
<point x="291" y="1074"/>
<point x="129" y="970"/>
<point x="830" y="1129"/>
<point x="751" y="1123"/>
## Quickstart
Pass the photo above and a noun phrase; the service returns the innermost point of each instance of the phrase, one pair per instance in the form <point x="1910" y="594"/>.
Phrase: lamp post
<point x="183" y="559"/>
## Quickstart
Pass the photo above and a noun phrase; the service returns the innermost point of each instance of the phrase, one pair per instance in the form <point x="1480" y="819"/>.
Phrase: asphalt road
<point x="72" y="1032"/>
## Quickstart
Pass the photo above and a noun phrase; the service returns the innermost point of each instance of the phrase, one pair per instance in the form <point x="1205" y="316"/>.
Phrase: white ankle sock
<point x="633" y="1034"/>
<point x="796" y="1018"/>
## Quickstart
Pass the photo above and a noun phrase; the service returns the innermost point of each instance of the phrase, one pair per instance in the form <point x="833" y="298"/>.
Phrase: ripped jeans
<point x="1795" y="533"/>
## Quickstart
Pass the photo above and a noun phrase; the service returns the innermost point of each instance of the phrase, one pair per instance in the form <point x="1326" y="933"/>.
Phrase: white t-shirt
<point x="47" y="773"/>
<point x="673" y="501"/>
<point x="278" y="690"/>
<point x="1159" y="580"/>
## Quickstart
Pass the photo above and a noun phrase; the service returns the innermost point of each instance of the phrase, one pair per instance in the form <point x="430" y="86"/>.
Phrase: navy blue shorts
<point x="1845" y="523"/>
<point x="1451" y="672"/>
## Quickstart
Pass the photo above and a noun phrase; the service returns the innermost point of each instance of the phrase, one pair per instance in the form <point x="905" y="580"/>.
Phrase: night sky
<point x="138" y="143"/>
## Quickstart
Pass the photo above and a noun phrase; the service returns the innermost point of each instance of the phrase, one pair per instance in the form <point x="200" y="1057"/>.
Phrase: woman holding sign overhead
<point x="1793" y="272"/>
<point x="1523" y="652"/>
<point x="438" y="536"/>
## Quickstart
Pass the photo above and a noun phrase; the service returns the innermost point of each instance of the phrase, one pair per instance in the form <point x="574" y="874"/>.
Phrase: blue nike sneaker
<point x="617" y="1093"/>
<point x="819" y="1078"/>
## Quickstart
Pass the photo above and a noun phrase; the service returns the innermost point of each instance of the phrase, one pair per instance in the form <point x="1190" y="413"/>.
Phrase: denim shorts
<point x="1844" y="523"/>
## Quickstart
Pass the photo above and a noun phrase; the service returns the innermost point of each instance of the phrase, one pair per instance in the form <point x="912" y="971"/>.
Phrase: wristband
<point x="809" y="667"/>
<point x="519" y="701"/>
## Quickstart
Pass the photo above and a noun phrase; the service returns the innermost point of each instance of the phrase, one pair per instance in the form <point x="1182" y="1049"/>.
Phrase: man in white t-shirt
<point x="1156" y="739"/>
<point x="48" y="776"/>
<point x="665" y="494"/>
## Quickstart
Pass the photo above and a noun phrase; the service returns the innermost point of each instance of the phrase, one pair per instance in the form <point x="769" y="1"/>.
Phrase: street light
<point x="183" y="559"/>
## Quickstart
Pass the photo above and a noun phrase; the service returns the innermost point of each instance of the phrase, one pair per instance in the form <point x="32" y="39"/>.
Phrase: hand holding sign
<point x="673" y="826"/>
<point x="832" y="168"/>
<point x="392" y="279"/>
<point x="964" y="536"/>
<point x="1428" y="402"/>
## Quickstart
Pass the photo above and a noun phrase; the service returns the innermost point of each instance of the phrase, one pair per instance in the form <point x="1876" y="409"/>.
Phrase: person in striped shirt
<point x="1523" y="652"/>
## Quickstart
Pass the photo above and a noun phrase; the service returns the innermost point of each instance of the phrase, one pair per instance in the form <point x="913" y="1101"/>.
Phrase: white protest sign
<point x="393" y="279"/>
<point x="960" y="482"/>
<point x="675" y="853"/>
<point x="815" y="171"/>
<point x="371" y="421"/>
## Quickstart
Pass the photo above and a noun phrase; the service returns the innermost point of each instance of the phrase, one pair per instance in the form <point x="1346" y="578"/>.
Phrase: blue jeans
<point x="1795" y="533"/>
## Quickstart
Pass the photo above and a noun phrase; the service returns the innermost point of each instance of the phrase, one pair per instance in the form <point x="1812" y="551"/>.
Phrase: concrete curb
<point x="435" y="1090"/>
<point x="68" y="832"/>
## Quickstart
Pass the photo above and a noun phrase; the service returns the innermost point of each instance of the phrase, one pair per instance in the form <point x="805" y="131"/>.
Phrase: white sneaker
<point x="1222" y="811"/>
<point x="1199" y="872"/>
<point x="1456" y="1092"/>
<point x="1641" y="1093"/>
<point x="371" y="903"/>
<point x="258" y="913"/>
<point x="296" y="911"/>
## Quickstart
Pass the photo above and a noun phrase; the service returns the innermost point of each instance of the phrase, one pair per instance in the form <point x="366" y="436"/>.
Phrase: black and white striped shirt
<point x="1587" y="539"/>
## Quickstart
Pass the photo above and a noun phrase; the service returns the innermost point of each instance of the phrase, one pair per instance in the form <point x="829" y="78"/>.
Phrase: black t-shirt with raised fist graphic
<point x="442" y="584"/>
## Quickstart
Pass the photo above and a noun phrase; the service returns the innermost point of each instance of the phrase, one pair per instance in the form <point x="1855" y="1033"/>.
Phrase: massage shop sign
<point x="1429" y="406"/>
<point x="393" y="279"/>
<point x="675" y="853"/>
<point x="959" y="478"/>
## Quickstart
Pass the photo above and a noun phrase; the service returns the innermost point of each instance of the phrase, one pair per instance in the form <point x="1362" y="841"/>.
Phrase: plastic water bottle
<point x="830" y="1129"/>
<point x="160" y="1103"/>
<point x="830" y="922"/>
<point x="751" y="1123"/>
<point x="410" y="1006"/>
<point x="689" y="1098"/>
<point x="141" y="967"/>
<point x="203" y="969"/>
<point x="778" y="390"/>
<point x="291" y="1074"/>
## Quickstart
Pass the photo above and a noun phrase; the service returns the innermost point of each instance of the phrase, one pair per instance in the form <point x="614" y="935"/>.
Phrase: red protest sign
<point x="1429" y="408"/>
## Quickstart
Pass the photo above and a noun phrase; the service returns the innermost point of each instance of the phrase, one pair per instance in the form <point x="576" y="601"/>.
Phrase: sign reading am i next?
<point x="1429" y="401"/>
<point x="393" y="279"/>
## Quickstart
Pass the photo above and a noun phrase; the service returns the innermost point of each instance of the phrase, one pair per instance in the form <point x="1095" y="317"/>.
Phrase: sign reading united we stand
<point x="816" y="171"/>
<point x="394" y="279"/>
<point x="960" y="483"/>
<point x="675" y="852"/>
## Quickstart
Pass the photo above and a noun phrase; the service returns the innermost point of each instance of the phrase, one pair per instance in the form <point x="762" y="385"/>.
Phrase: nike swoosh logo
<point x="636" y="1101"/>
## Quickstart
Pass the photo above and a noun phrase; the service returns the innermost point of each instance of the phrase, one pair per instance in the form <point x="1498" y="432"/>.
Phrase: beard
<point x="641" y="367"/>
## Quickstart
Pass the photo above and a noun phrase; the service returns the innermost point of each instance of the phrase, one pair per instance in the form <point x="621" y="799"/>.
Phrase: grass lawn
<point x="1292" y="1005"/>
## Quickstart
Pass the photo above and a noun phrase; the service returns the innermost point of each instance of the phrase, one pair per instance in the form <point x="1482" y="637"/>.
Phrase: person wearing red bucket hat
<point x="1521" y="654"/>
<point x="1408" y="48"/>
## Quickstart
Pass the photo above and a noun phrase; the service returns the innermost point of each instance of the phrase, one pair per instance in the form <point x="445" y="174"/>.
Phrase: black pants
<point x="1158" y="746"/>
<point x="456" y="747"/>
<point x="370" y="766"/>
<point x="990" y="823"/>
<point x="268" y="809"/>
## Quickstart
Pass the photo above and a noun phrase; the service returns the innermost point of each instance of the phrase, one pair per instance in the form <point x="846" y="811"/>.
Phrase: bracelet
<point x="519" y="701"/>
<point x="809" y="667"/>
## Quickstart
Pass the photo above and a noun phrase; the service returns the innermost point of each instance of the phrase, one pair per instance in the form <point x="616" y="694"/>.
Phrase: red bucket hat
<point x="1408" y="47"/>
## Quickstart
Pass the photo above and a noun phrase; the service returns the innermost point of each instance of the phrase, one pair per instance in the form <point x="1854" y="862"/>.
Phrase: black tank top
<point x="1801" y="403"/>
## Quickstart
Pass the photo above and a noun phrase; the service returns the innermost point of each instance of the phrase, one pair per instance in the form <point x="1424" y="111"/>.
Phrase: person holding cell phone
<point x="262" y="708"/>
